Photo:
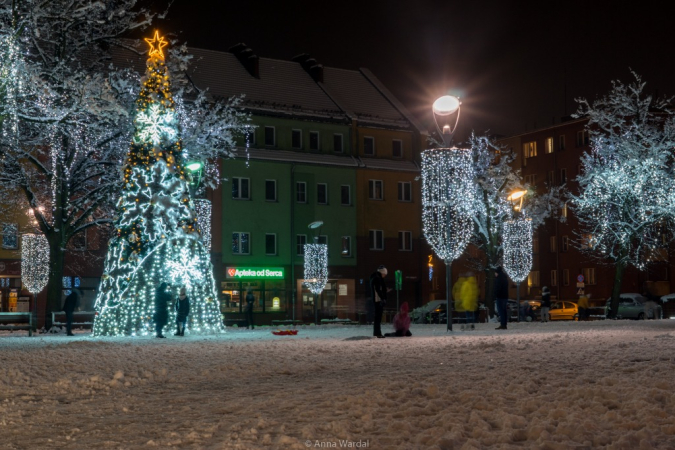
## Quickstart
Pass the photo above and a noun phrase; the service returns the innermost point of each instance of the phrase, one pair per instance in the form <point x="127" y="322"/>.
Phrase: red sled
<point x="285" y="332"/>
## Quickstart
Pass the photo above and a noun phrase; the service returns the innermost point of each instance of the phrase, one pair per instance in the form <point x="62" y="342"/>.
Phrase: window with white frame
<point x="250" y="136"/>
<point x="549" y="145"/>
<point x="270" y="243"/>
<point x="566" y="277"/>
<point x="270" y="140"/>
<point x="561" y="142"/>
<point x="10" y="236"/>
<point x="369" y="146"/>
<point x="397" y="148"/>
<point x="554" y="277"/>
<point x="300" y="241"/>
<point x="346" y="246"/>
<point x="240" y="188"/>
<point x="296" y="138"/>
<point x="375" y="189"/>
<point x="533" y="279"/>
<point x="376" y="239"/>
<point x="322" y="193"/>
<point x="345" y="195"/>
<point x="582" y="138"/>
<point x="301" y="192"/>
<point x="589" y="276"/>
<point x="271" y="190"/>
<point x="553" y="240"/>
<point x="314" y="140"/>
<point x="405" y="241"/>
<point x="241" y="243"/>
<point x="530" y="149"/>
<point x="404" y="191"/>
<point x="338" y="145"/>
<point x="565" y="244"/>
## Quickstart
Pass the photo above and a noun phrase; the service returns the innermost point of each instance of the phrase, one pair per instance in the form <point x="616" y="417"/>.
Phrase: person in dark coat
<point x="502" y="297"/>
<point x="378" y="292"/>
<point x="162" y="300"/>
<point x="182" y="311"/>
<point x="545" y="303"/>
<point x="72" y="302"/>
<point x="250" y="301"/>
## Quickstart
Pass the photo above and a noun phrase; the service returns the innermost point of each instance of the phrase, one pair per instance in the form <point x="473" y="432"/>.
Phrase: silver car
<point x="636" y="306"/>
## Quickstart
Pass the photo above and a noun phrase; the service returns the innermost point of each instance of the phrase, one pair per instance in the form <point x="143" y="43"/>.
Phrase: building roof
<point x="289" y="156"/>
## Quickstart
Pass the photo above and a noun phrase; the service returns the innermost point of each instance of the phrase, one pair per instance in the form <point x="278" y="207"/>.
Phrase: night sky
<point x="515" y="65"/>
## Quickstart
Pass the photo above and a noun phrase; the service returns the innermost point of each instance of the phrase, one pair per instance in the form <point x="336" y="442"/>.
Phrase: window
<point x="322" y="193"/>
<point x="300" y="241"/>
<point x="531" y="180"/>
<point x="269" y="136"/>
<point x="587" y="241"/>
<point x="549" y="145"/>
<point x="530" y="149"/>
<point x="301" y="192"/>
<point x="270" y="244"/>
<point x="582" y="138"/>
<point x="561" y="142"/>
<point x="369" y="146"/>
<point x="250" y="136"/>
<point x="553" y="240"/>
<point x="565" y="245"/>
<point x="533" y="279"/>
<point x="376" y="238"/>
<point x="346" y="246"/>
<point x="271" y="190"/>
<point x="241" y="243"/>
<point x="375" y="189"/>
<point x="563" y="176"/>
<point x="240" y="189"/>
<point x="404" y="191"/>
<point x="405" y="241"/>
<point x="79" y="241"/>
<point x="535" y="245"/>
<point x="564" y="210"/>
<point x="313" y="140"/>
<point x="337" y="143"/>
<point x="345" y="195"/>
<point x="566" y="277"/>
<point x="296" y="138"/>
<point x="589" y="276"/>
<point x="397" y="148"/>
<point x="10" y="235"/>
<point x="554" y="277"/>
<point x="550" y="178"/>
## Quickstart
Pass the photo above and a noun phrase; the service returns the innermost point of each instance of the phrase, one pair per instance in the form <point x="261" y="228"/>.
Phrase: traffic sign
<point x="580" y="278"/>
<point x="580" y="291"/>
<point x="399" y="279"/>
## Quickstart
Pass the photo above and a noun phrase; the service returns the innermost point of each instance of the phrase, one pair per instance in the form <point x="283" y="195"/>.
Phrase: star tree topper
<point x="157" y="43"/>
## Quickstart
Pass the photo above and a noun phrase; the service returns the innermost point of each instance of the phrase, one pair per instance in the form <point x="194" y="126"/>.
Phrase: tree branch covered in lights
<point x="517" y="244"/>
<point x="627" y="185"/>
<point x="316" y="267"/>
<point x="67" y="115"/>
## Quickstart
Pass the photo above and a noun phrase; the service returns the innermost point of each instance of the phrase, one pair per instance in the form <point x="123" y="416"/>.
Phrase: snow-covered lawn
<point x="553" y="386"/>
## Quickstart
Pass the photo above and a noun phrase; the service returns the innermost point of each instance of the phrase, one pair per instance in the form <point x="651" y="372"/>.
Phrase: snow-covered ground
<point x="551" y="386"/>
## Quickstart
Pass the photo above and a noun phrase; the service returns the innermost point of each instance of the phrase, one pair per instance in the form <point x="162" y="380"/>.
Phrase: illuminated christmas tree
<point x="158" y="238"/>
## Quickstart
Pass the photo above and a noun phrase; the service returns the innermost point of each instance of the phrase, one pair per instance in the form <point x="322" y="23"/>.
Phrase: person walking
<point x="401" y="323"/>
<point x="71" y="303"/>
<point x="468" y="295"/>
<point x="502" y="297"/>
<point x="162" y="300"/>
<point x="182" y="311"/>
<point x="378" y="291"/>
<point x="250" y="301"/>
<point x="545" y="303"/>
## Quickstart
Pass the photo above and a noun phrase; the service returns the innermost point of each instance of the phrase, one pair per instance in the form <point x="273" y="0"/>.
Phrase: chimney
<point x="247" y="58"/>
<point x="311" y="66"/>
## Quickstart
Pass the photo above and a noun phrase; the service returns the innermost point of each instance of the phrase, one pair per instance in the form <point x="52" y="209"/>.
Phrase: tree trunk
<point x="55" y="283"/>
<point x="616" y="290"/>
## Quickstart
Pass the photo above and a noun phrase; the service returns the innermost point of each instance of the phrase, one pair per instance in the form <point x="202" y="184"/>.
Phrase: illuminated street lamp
<point x="517" y="243"/>
<point x="448" y="194"/>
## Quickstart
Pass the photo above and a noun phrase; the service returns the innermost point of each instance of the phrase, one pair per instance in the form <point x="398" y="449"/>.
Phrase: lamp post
<point x="316" y="267"/>
<point x="448" y="194"/>
<point x="517" y="242"/>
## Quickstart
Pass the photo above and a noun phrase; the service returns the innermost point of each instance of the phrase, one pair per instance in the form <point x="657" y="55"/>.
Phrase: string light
<point x="316" y="267"/>
<point x="517" y="244"/>
<point x="34" y="262"/>
<point x="203" y="209"/>
<point x="157" y="237"/>
<point x="448" y="200"/>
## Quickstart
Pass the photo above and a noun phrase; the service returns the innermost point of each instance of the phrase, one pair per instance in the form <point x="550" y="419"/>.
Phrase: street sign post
<point x="398" y="283"/>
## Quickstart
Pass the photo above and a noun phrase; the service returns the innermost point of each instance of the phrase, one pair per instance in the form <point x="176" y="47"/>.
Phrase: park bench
<point x="17" y="321"/>
<point x="80" y="319"/>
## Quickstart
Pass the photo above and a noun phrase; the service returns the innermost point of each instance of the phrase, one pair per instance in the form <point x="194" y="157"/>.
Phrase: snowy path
<point x="551" y="386"/>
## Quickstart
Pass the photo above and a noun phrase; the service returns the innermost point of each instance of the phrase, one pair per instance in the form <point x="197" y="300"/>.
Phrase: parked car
<point x="529" y="310"/>
<point x="423" y="314"/>
<point x="563" y="310"/>
<point x="636" y="306"/>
